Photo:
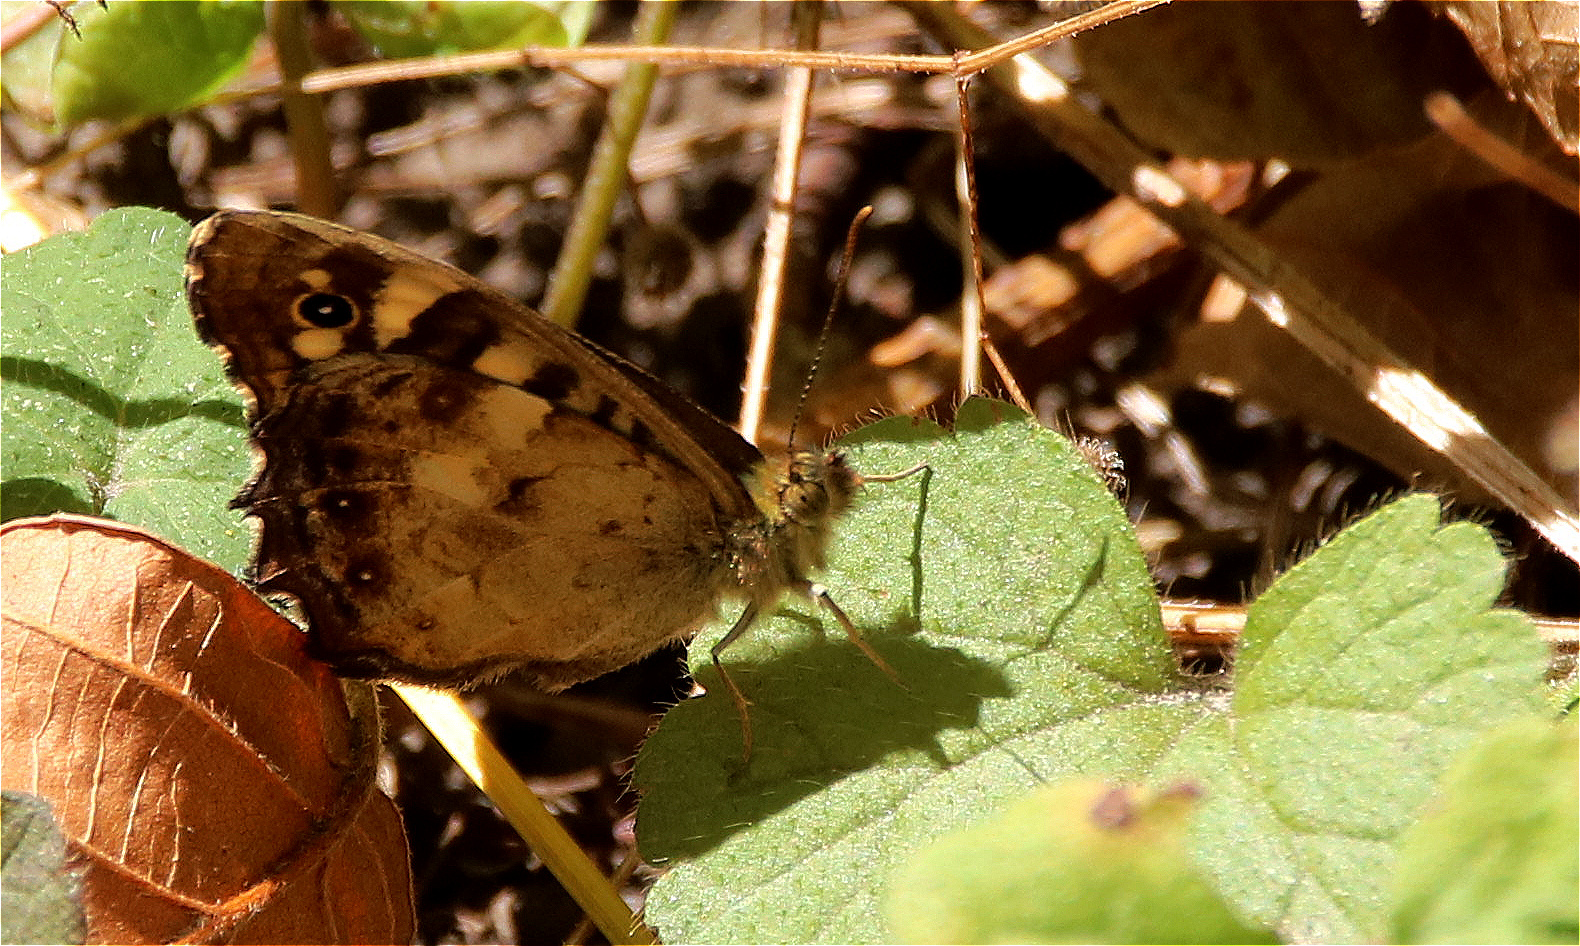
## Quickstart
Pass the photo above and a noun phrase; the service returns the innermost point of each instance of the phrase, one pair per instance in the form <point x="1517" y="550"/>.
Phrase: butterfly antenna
<point x="828" y="320"/>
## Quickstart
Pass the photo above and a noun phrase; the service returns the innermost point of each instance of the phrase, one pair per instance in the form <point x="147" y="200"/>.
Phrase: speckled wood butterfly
<point x="453" y="487"/>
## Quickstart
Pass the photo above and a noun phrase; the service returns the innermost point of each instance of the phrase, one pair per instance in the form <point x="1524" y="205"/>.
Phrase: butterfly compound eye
<point x="324" y="310"/>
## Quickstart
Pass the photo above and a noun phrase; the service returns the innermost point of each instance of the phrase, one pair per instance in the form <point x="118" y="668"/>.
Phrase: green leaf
<point x="1073" y="862"/>
<point x="1362" y="672"/>
<point x="1494" y="859"/>
<point x="40" y="900"/>
<point x="1006" y="588"/>
<point x="27" y="67"/>
<point x="405" y="28"/>
<point x="113" y="406"/>
<point x="1564" y="694"/>
<point x="137" y="59"/>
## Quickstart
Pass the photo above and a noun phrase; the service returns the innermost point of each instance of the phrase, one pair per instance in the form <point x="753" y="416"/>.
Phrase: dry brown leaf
<point x="1116" y="248"/>
<point x="211" y="779"/>
<point x="1468" y="277"/>
<point x="1531" y="50"/>
<point x="1308" y="82"/>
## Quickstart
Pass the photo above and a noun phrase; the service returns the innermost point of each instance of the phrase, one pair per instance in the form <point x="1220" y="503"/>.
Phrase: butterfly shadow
<point x="821" y="713"/>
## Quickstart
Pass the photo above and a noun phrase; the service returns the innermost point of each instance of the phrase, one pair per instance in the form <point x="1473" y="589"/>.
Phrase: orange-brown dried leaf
<point x="211" y="778"/>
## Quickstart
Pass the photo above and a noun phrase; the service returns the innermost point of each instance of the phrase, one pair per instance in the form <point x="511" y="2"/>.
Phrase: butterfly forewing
<point x="253" y="278"/>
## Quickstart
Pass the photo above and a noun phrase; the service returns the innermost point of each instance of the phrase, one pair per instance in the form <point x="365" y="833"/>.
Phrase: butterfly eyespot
<point x="343" y="506"/>
<point x="326" y="310"/>
<point x="366" y="572"/>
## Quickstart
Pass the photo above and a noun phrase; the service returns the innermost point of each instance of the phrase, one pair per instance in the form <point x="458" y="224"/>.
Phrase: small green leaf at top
<point x="138" y="59"/>
<point x="112" y="405"/>
<point x="1079" y="861"/>
<point x="40" y="899"/>
<point x="1494" y="859"/>
<point x="407" y="28"/>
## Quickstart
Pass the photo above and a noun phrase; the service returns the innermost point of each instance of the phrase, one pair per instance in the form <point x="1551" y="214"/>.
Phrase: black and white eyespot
<point x="325" y="310"/>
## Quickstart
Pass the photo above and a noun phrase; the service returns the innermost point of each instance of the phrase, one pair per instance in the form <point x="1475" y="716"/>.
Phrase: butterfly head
<point x="800" y="503"/>
<point x="814" y="488"/>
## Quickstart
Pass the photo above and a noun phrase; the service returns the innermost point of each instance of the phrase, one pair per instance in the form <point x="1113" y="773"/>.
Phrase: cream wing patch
<point x="316" y="279"/>
<point x="505" y="414"/>
<point x="471" y="471"/>
<point x="511" y="362"/>
<point x="535" y="544"/>
<point x="315" y="344"/>
<point x="406" y="294"/>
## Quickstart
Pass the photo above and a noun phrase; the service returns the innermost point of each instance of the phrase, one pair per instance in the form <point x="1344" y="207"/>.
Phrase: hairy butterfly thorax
<point x="451" y="487"/>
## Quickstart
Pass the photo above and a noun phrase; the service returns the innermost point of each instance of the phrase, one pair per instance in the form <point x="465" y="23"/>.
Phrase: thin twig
<point x="34" y="176"/>
<point x="432" y="67"/>
<point x="971" y="300"/>
<point x="550" y="57"/>
<point x="1186" y="620"/>
<point x="305" y="127"/>
<point x="1450" y="117"/>
<point x="606" y="174"/>
<point x="973" y="303"/>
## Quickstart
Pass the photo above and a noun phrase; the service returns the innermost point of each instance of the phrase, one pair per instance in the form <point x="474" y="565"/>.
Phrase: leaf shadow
<point x="24" y="496"/>
<point x="123" y="412"/>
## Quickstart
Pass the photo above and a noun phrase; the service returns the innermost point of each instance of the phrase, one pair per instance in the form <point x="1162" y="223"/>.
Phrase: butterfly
<point x="453" y="488"/>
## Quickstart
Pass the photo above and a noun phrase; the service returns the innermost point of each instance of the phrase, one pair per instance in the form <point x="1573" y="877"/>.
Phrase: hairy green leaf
<point x="1362" y="672"/>
<point x="40" y="900"/>
<point x="1072" y="862"/>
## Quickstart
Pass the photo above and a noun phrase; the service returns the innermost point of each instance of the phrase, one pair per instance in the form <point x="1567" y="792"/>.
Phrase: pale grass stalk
<point x="458" y="732"/>
<point x="781" y="217"/>
<point x="305" y="127"/>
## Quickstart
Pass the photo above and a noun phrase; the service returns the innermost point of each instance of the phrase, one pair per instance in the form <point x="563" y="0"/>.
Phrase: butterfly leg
<point x="820" y="594"/>
<point x="743" y="624"/>
<point x="741" y="703"/>
<point x="894" y="477"/>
